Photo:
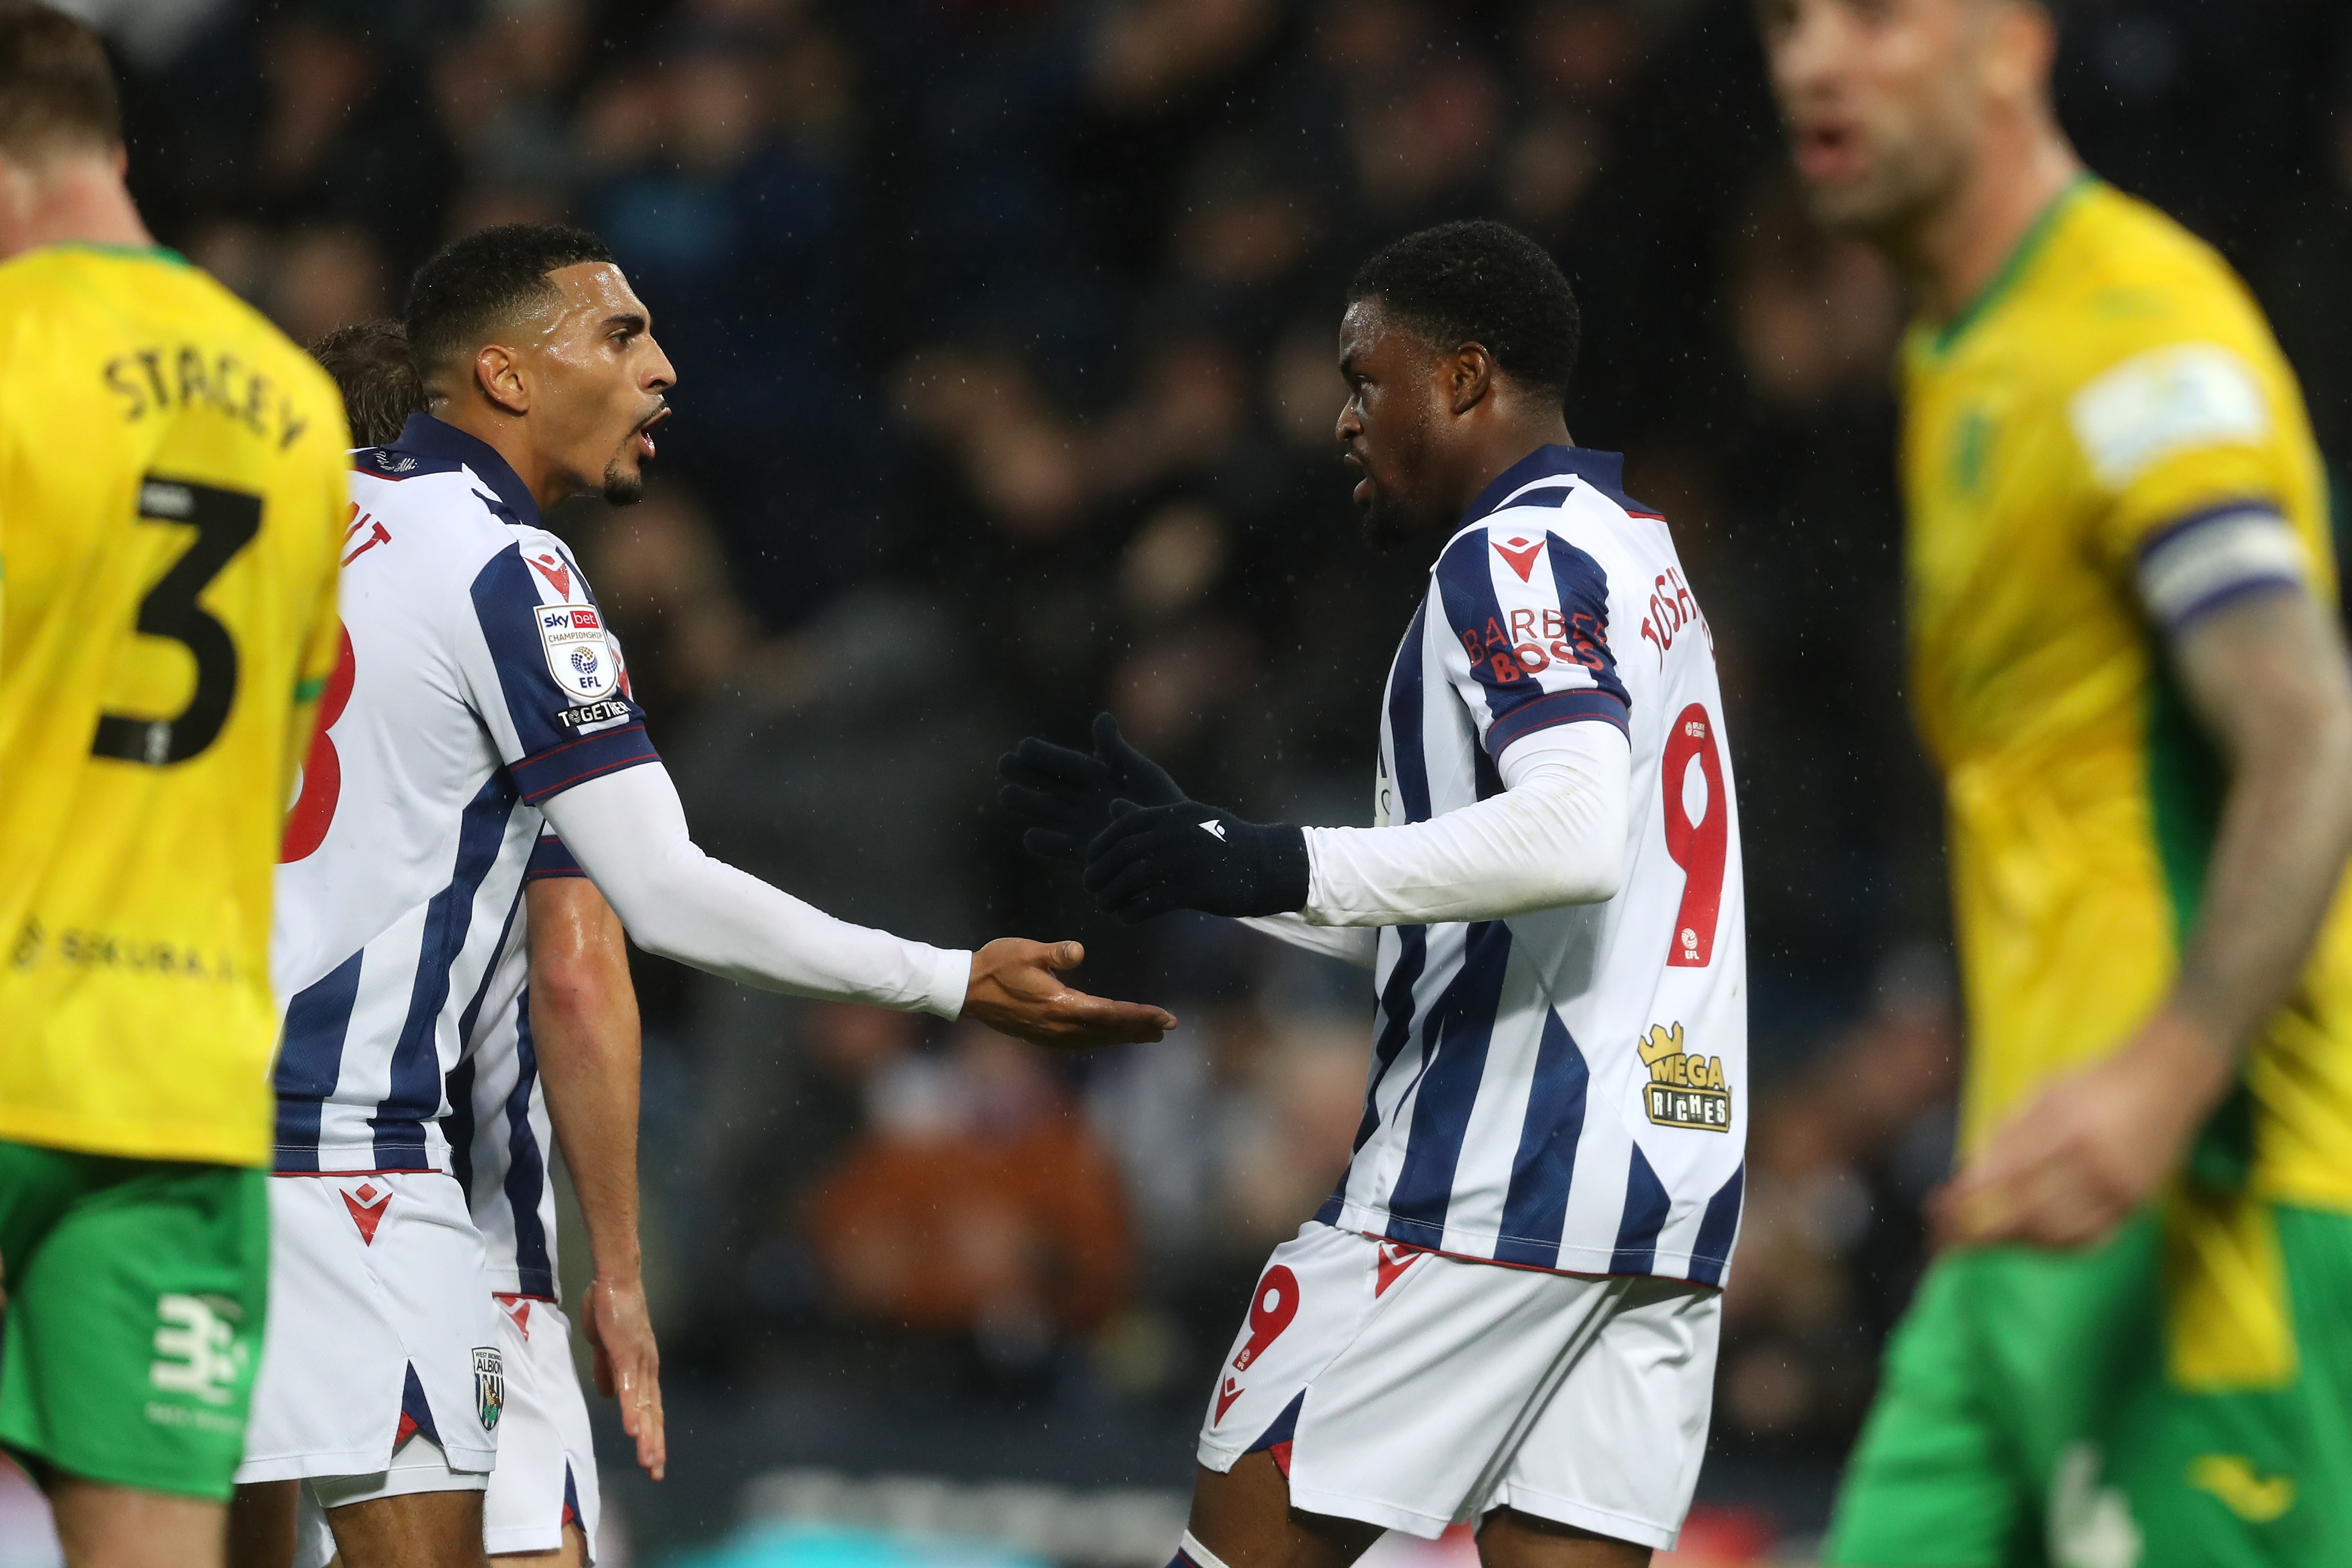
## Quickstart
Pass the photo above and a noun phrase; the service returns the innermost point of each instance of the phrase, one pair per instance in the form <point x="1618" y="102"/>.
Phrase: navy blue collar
<point x="429" y="438"/>
<point x="1601" y="471"/>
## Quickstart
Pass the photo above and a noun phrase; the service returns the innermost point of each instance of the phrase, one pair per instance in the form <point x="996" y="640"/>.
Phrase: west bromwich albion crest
<point x="578" y="653"/>
<point x="489" y="1385"/>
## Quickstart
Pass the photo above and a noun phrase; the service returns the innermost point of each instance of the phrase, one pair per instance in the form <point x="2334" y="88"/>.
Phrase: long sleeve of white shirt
<point x="1557" y="834"/>
<point x="1358" y="945"/>
<point x="628" y="831"/>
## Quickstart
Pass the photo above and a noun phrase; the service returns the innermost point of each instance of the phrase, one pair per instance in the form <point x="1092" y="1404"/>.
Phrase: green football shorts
<point x="135" y="1290"/>
<point x="2027" y="1419"/>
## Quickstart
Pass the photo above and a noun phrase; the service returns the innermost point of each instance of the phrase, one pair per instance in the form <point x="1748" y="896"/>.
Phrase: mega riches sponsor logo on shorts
<point x="1685" y="1089"/>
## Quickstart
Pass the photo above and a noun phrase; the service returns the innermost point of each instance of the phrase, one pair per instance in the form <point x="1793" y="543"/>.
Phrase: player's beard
<point x="623" y="487"/>
<point x="1908" y="181"/>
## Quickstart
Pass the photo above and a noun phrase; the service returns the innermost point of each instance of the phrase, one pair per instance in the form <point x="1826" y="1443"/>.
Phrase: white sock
<point x="1201" y="1556"/>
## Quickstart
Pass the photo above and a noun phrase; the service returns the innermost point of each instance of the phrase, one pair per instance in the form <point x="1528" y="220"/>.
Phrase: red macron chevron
<point x="1522" y="557"/>
<point x="367" y="1206"/>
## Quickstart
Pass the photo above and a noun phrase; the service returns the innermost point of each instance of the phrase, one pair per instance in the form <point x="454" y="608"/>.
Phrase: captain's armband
<point x="2215" y="557"/>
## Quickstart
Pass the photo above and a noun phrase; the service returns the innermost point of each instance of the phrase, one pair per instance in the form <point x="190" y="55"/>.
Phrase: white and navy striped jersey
<point x="1565" y="1089"/>
<point x="478" y="681"/>
<point x="500" y="1142"/>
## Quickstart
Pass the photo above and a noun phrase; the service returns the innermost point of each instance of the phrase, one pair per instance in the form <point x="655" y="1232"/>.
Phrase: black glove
<point x="1067" y="795"/>
<point x="1153" y="860"/>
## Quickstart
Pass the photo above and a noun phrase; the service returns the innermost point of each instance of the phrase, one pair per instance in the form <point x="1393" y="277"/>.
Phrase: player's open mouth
<point x="1362" y="493"/>
<point x="646" y="434"/>
<point x="1827" y="150"/>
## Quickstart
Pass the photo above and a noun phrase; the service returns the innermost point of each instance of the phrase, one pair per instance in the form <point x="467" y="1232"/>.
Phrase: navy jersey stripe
<point x="1711" y="1254"/>
<point x="458" y="1089"/>
<point x="576" y="762"/>
<point x="1645" y="1216"/>
<point x="549" y="857"/>
<point x="1604" y="472"/>
<point x="1583" y="590"/>
<point x="310" y="1060"/>
<point x="507" y="606"/>
<point x="1556" y="709"/>
<point x="1535" y="1207"/>
<point x="527" y="1165"/>
<point x="1404" y="720"/>
<point x="473" y="1013"/>
<point x="415" y="1093"/>
<point x="458" y="1125"/>
<point x="1396" y="1026"/>
<point x="1461" y="1027"/>
<point x="1466" y="586"/>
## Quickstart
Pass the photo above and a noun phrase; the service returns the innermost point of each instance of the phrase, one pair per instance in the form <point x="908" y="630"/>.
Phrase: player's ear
<point x="2019" y="53"/>
<point x="498" y="372"/>
<point x="1469" y="373"/>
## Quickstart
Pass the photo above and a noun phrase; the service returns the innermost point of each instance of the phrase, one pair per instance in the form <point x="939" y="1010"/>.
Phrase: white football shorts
<point x="381" y="1331"/>
<point x="1415" y="1391"/>
<point x="547" y="1462"/>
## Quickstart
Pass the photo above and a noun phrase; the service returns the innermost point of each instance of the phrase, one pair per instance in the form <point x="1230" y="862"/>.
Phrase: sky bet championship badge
<point x="577" y="654"/>
<point x="489" y="1385"/>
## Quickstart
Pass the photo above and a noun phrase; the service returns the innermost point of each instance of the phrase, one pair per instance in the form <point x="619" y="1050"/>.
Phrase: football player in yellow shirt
<point x="172" y="507"/>
<point x="2127" y="665"/>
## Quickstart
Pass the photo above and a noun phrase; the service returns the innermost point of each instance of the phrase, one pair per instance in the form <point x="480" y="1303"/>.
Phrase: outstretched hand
<point x="1067" y="795"/>
<point x="1016" y="989"/>
<point x="2093" y="1146"/>
<point x="628" y="1363"/>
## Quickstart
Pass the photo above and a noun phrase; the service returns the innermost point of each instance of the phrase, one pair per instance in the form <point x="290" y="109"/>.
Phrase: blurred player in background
<point x="559" y="1028"/>
<point x="2126" y="664"/>
<point x="480" y="698"/>
<point x="368" y="361"/>
<point x="1507" y="1313"/>
<point x="171" y="499"/>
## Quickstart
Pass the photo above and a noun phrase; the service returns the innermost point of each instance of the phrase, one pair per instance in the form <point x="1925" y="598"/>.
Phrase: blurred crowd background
<point x="1005" y="330"/>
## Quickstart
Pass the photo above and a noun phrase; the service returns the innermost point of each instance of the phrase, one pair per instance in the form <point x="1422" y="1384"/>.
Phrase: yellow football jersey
<point x="172" y="500"/>
<point x="2113" y="381"/>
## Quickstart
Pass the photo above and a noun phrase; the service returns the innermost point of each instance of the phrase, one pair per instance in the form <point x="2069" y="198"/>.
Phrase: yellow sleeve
<point x="323" y="637"/>
<point x="2193" y="415"/>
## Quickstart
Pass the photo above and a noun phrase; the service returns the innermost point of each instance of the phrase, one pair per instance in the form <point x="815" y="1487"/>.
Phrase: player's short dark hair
<point x="368" y="361"/>
<point x="57" y="86"/>
<point x="1481" y="282"/>
<point x="477" y="283"/>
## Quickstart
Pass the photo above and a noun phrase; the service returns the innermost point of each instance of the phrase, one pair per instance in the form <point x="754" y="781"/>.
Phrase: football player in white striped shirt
<point x="1506" y="1313"/>
<point x="480" y="698"/>
<point x="553" y="1051"/>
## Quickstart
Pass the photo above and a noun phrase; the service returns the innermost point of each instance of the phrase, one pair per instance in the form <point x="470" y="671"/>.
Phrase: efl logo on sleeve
<point x="578" y="656"/>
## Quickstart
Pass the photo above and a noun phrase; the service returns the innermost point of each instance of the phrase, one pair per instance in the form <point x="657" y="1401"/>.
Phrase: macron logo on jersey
<point x="1522" y="557"/>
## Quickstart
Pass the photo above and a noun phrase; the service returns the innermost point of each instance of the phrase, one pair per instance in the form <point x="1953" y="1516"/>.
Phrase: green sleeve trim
<point x="2021" y="258"/>
<point x="309" y="691"/>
